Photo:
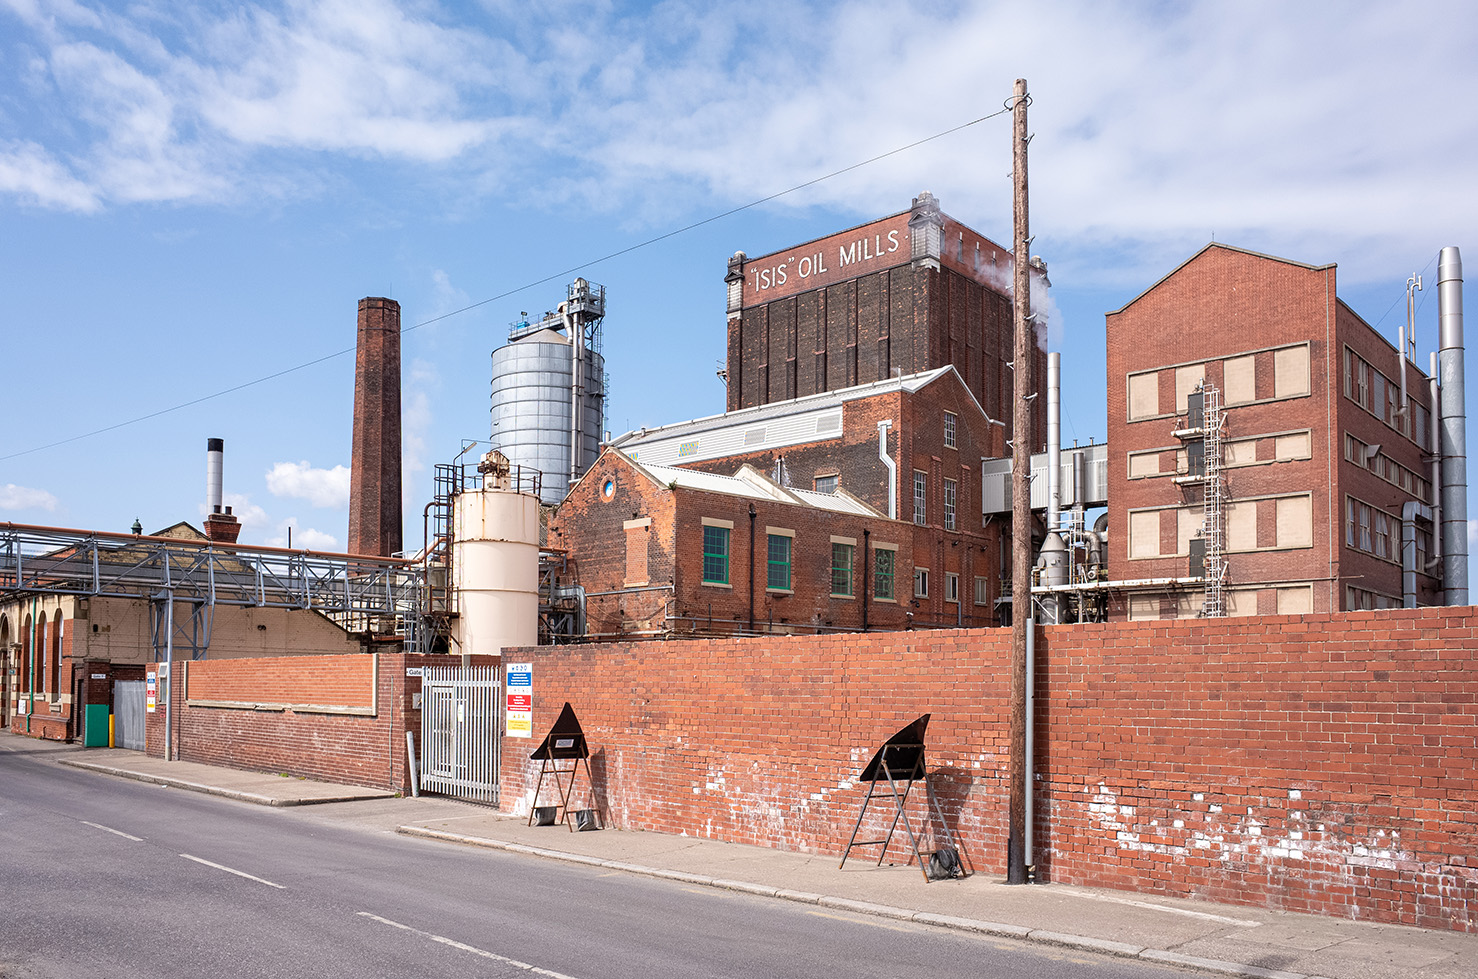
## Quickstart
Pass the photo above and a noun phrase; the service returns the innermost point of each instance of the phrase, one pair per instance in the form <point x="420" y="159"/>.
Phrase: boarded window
<point x="1144" y="464"/>
<point x="1296" y="522"/>
<point x="1144" y="607"/>
<point x="1240" y="601"/>
<point x="1188" y="525"/>
<point x="1291" y="446"/>
<point x="1296" y="601"/>
<point x="1242" y="526"/>
<point x="1187" y="379"/>
<point x="1144" y="534"/>
<point x="637" y="532"/>
<point x="1240" y="379"/>
<point x="1144" y="395"/>
<point x="1291" y="372"/>
<point x="1241" y="453"/>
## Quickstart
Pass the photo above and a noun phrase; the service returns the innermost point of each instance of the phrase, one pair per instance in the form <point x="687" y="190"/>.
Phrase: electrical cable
<point x="514" y="291"/>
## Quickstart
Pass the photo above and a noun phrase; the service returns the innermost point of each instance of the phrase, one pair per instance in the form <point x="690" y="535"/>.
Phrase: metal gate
<point x="460" y="722"/>
<point x="128" y="714"/>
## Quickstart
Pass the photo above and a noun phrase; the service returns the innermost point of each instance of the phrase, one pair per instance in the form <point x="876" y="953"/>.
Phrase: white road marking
<point x="238" y="873"/>
<point x="1239" y="922"/>
<point x="466" y="948"/>
<point x="115" y="832"/>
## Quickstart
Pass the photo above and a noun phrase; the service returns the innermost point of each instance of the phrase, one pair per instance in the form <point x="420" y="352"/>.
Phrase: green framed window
<point x="716" y="555"/>
<point x="778" y="575"/>
<point x="884" y="564"/>
<point x="841" y="568"/>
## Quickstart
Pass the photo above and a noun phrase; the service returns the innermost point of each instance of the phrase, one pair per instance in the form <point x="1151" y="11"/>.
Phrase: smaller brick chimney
<point x="221" y="527"/>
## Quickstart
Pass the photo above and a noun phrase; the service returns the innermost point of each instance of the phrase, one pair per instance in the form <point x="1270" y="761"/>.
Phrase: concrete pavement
<point x="1197" y="934"/>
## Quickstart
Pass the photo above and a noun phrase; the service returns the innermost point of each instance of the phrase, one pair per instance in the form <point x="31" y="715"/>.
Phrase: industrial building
<point x="1271" y="452"/>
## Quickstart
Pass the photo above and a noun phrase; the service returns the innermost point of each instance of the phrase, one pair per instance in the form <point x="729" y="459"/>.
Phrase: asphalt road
<point x="106" y="877"/>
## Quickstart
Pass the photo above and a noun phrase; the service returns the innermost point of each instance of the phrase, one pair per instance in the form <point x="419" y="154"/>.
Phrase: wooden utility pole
<point x="1021" y="502"/>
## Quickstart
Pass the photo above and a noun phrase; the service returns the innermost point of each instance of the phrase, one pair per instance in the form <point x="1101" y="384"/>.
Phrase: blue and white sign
<point x="519" y="705"/>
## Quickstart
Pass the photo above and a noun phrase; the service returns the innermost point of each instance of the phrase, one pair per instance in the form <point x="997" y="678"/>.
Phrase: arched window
<point x="54" y="677"/>
<point x="38" y="653"/>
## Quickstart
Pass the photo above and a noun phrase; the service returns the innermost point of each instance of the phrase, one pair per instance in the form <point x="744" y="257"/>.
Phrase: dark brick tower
<point x="374" y="480"/>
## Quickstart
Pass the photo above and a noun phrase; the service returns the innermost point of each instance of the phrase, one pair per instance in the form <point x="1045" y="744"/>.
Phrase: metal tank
<point x="495" y="563"/>
<point x="541" y="417"/>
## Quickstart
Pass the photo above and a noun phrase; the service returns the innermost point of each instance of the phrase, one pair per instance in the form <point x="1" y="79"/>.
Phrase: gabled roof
<point x="1204" y="250"/>
<point x="783" y="423"/>
<point x="748" y="483"/>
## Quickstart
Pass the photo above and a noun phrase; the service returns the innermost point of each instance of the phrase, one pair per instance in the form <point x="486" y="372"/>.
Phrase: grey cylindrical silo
<point x="531" y="406"/>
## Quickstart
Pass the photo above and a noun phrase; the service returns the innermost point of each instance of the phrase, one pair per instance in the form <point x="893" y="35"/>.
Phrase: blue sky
<point x="194" y="200"/>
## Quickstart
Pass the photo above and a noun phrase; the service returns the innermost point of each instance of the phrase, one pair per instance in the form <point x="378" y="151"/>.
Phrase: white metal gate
<point x="128" y="714"/>
<point x="460" y="721"/>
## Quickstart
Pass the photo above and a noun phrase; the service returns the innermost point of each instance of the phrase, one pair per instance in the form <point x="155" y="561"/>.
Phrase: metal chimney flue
<point x="215" y="451"/>
<point x="1454" y="428"/>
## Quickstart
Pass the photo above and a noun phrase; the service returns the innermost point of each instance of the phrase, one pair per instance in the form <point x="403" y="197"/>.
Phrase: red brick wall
<point x="1325" y="763"/>
<point x="355" y="749"/>
<point x="322" y="681"/>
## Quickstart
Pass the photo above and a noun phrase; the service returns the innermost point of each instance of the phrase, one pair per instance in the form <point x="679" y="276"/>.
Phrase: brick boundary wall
<point x="293" y="733"/>
<point x="1320" y="763"/>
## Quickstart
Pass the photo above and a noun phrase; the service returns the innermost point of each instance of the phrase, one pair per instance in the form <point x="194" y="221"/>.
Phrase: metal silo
<point x="548" y="393"/>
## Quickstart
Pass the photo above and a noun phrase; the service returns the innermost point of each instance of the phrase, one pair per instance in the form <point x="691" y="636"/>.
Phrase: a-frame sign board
<point x="899" y="763"/>
<point x="564" y="742"/>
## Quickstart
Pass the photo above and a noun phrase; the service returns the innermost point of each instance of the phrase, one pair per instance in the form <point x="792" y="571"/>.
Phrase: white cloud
<point x="251" y="516"/>
<point x="1472" y="536"/>
<point x="13" y="497"/>
<point x="416" y="417"/>
<point x="320" y="487"/>
<point x="32" y="174"/>
<point x="302" y="538"/>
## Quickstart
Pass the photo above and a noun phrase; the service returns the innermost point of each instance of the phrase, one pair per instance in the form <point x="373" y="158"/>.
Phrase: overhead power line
<point x="647" y="243"/>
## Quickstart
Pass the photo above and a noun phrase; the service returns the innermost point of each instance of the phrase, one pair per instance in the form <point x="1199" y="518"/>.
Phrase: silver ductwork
<point x="1454" y="497"/>
<point x="883" y="427"/>
<point x="1054" y="440"/>
<point x="1410" y="511"/>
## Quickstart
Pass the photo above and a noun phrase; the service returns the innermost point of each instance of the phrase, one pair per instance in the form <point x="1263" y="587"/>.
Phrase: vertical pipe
<point x="752" y="515"/>
<point x="1031" y="671"/>
<point x="214" y="455"/>
<point x="866" y="574"/>
<point x="1054" y="440"/>
<point x="1434" y="446"/>
<point x="887" y="460"/>
<point x="1454" y="428"/>
<point x="576" y="335"/>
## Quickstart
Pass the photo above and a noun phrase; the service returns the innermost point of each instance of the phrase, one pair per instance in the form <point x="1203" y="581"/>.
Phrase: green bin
<point x="95" y="731"/>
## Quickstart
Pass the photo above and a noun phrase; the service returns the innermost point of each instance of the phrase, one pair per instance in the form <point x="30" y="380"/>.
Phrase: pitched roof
<point x="1225" y="247"/>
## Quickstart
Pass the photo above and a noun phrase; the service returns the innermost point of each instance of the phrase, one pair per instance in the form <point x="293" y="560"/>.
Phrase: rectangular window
<point x="716" y="555"/>
<point x="920" y="495"/>
<point x="1349" y="522"/>
<point x="982" y="590"/>
<point x="949" y="430"/>
<point x="1377" y="403"/>
<point x="826" y="484"/>
<point x="883" y="565"/>
<point x="920" y="582"/>
<point x="778" y="577"/>
<point x="1364" y="527"/>
<point x="951" y="587"/>
<point x="1382" y="535"/>
<point x="1144" y="395"/>
<point x="841" y="569"/>
<point x="949" y="504"/>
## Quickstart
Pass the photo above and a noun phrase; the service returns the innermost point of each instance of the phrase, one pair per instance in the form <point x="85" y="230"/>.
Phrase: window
<point x="883" y="566"/>
<point x="920" y="495"/>
<point x="951" y="587"/>
<point x="826" y="484"/>
<point x="1364" y="526"/>
<point x="949" y="504"/>
<point x="841" y="568"/>
<point x="716" y="555"/>
<point x="778" y="575"/>
<point x="982" y="590"/>
<point x="1349" y="522"/>
<point x="920" y="582"/>
<point x="1144" y="395"/>
<point x="949" y="430"/>
<point x="1382" y="535"/>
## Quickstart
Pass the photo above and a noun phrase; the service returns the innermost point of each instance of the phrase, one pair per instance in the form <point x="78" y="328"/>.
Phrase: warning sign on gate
<point x="519" y="703"/>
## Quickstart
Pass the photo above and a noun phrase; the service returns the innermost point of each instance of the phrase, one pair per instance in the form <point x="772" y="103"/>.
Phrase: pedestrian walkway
<point x="1213" y="937"/>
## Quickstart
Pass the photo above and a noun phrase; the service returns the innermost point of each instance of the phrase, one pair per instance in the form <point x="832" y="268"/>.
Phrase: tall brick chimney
<point x="374" y="474"/>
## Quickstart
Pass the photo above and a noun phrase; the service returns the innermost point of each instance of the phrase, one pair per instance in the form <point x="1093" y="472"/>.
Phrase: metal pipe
<point x="214" y="456"/>
<point x="1031" y="670"/>
<point x="1409" y="512"/>
<point x="1054" y="440"/>
<point x="1434" y="440"/>
<point x="752" y="515"/>
<point x="576" y="337"/>
<point x="883" y="427"/>
<point x="1454" y="496"/>
<point x="866" y="542"/>
<point x="1408" y="336"/>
